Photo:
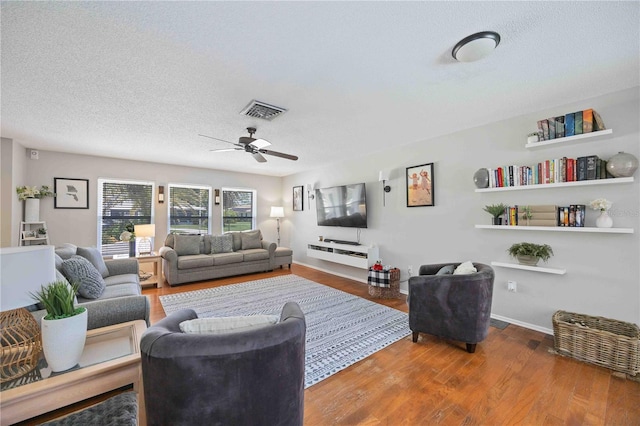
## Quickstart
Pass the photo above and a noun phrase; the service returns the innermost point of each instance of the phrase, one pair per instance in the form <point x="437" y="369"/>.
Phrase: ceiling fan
<point x="253" y="146"/>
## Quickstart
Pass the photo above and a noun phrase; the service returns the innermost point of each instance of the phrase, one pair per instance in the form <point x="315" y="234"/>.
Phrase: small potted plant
<point x="496" y="210"/>
<point x="526" y="214"/>
<point x="530" y="253"/>
<point x="533" y="137"/>
<point x="42" y="232"/>
<point x="64" y="328"/>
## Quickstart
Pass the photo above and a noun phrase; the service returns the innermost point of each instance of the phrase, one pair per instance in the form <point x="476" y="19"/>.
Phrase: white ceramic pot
<point x="32" y="210"/>
<point x="63" y="341"/>
<point x="604" y="220"/>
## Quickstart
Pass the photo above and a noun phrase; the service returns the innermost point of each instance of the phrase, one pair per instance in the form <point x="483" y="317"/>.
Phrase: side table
<point x="156" y="260"/>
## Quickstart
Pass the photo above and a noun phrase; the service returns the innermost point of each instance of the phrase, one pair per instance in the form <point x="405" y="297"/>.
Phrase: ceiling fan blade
<point x="259" y="158"/>
<point x="226" y="149"/>
<point x="260" y="143"/>
<point x="279" y="154"/>
<point x="221" y="140"/>
<point x="246" y="140"/>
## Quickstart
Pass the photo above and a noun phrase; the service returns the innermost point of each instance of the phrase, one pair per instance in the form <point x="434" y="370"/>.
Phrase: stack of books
<point x="572" y="215"/>
<point x="574" y="123"/>
<point x="538" y="215"/>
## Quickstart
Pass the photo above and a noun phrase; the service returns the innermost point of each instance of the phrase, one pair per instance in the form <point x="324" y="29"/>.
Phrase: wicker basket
<point x="392" y="292"/>
<point x="602" y="341"/>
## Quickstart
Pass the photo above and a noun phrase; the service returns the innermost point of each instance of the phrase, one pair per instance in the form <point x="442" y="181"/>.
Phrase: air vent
<point x="262" y="110"/>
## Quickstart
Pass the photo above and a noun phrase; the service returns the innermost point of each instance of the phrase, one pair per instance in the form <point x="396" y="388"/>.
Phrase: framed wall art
<point x="298" y="199"/>
<point x="71" y="193"/>
<point x="420" y="186"/>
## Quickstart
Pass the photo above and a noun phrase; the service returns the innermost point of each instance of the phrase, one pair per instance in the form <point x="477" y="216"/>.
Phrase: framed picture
<point x="420" y="187"/>
<point x="71" y="193"/>
<point x="298" y="198"/>
<point x="28" y="234"/>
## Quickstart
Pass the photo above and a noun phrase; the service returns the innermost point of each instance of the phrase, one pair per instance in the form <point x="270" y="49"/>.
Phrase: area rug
<point x="342" y="329"/>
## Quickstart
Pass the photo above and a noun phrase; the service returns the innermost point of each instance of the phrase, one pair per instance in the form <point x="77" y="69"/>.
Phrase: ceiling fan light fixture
<point x="476" y="46"/>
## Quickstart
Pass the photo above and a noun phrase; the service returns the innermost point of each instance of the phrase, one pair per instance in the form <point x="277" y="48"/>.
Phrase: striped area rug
<point x="342" y="329"/>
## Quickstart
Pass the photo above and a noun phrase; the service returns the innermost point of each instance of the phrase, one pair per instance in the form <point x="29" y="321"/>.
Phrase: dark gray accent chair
<point x="253" y="377"/>
<point x="455" y="307"/>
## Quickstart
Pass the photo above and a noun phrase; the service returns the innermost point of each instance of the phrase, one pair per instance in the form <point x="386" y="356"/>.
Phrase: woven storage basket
<point x="602" y="341"/>
<point x="392" y="292"/>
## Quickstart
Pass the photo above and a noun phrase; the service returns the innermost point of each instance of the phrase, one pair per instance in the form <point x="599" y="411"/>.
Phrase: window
<point x="119" y="203"/>
<point x="189" y="209"/>
<point x="238" y="209"/>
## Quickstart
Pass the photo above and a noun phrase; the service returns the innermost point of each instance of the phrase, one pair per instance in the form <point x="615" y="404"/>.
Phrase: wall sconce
<point x="161" y="194"/>
<point x="383" y="177"/>
<point x="310" y="191"/>
<point x="216" y="199"/>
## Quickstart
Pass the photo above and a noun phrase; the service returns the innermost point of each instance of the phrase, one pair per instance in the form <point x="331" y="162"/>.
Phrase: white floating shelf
<point x="530" y="268"/>
<point x="610" y="181"/>
<point x="559" y="229"/>
<point x="569" y="139"/>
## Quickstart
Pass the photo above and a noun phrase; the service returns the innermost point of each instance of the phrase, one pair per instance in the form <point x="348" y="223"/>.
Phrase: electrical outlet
<point x="410" y="270"/>
<point x="512" y="286"/>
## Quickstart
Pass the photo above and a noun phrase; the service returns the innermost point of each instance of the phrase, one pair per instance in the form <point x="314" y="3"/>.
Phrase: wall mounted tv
<point x="344" y="205"/>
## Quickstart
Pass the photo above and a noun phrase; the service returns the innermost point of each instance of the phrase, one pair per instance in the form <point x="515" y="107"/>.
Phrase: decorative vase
<point x="622" y="165"/>
<point x="481" y="178"/>
<point x="525" y="259"/>
<point x="604" y="220"/>
<point x="63" y="341"/>
<point x="497" y="221"/>
<point x="132" y="248"/>
<point x="32" y="210"/>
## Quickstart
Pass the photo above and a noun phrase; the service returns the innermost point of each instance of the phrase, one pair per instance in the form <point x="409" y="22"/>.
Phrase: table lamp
<point x="145" y="232"/>
<point x="277" y="212"/>
<point x="23" y="271"/>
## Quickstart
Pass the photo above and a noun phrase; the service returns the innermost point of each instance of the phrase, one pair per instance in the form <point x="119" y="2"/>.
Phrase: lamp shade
<point x="383" y="175"/>
<point x="277" y="211"/>
<point x="24" y="270"/>
<point x="145" y="231"/>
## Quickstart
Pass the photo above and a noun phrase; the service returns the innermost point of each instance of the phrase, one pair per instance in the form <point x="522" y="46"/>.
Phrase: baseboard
<point x="523" y="324"/>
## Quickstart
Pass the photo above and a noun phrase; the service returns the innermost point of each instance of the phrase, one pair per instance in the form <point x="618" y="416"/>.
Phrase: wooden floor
<point x="512" y="379"/>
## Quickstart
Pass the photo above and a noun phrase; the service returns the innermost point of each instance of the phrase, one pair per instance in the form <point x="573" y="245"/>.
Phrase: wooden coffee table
<point x="111" y="359"/>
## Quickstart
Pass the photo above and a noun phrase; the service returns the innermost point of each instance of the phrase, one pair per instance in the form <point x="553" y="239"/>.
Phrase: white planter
<point x="32" y="210"/>
<point x="63" y="341"/>
<point x="604" y="220"/>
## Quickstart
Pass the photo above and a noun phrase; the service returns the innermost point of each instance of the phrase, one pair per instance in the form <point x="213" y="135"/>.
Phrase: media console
<point x="358" y="256"/>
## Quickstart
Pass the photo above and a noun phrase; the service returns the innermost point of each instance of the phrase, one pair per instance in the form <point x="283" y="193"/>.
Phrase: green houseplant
<point x="64" y="328"/>
<point x="495" y="210"/>
<point x="530" y="253"/>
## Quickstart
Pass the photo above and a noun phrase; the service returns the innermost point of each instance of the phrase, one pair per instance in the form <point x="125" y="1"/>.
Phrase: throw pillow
<point x="223" y="325"/>
<point x="95" y="257"/>
<point x="187" y="244"/>
<point x="250" y="240"/>
<point x="80" y="270"/>
<point x="445" y="270"/>
<point x="465" y="269"/>
<point x="221" y="244"/>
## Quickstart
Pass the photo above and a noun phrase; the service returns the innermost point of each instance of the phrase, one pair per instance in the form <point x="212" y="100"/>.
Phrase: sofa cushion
<point x="221" y="244"/>
<point x="195" y="261"/>
<point x="187" y="244"/>
<point x="254" y="254"/>
<point x="446" y="270"/>
<point x="80" y="270"/>
<point x="227" y="258"/>
<point x="66" y="251"/>
<point x="95" y="257"/>
<point x="283" y="252"/>
<point x="116" y="291"/>
<point x="121" y="279"/>
<point x="223" y="325"/>
<point x="465" y="269"/>
<point x="250" y="240"/>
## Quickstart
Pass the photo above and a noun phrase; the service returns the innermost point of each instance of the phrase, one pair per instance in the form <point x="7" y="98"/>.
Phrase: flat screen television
<point x="344" y="205"/>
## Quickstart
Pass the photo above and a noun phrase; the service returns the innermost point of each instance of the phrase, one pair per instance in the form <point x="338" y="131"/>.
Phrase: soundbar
<point x="351" y="243"/>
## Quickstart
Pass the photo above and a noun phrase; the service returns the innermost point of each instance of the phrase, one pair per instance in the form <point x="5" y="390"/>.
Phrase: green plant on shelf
<point x="495" y="210"/>
<point x="538" y="251"/>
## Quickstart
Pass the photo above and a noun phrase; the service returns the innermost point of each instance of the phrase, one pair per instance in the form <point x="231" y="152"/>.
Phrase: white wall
<point x="79" y="226"/>
<point x="603" y="272"/>
<point x="13" y="157"/>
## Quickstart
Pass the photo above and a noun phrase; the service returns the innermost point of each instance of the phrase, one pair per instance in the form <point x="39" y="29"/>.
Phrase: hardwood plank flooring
<point x="512" y="379"/>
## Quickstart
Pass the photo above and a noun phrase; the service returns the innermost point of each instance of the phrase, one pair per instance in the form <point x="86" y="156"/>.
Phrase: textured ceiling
<point x="141" y="80"/>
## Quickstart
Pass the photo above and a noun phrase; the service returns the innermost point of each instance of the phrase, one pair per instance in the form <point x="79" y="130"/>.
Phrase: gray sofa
<point x="189" y="258"/>
<point x="122" y="299"/>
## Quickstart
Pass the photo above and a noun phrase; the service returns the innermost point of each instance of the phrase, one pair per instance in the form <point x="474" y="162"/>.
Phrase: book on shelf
<point x="598" y="124"/>
<point x="540" y="131"/>
<point x="538" y="222"/>
<point x="580" y="212"/>
<point x="543" y="208"/>
<point x="592" y="161"/>
<point x="560" y="126"/>
<point x="545" y="129"/>
<point x="572" y="215"/>
<point x="577" y="122"/>
<point x="587" y="121"/>
<point x="582" y="168"/>
<point x="552" y="127"/>
<point x="569" y="125"/>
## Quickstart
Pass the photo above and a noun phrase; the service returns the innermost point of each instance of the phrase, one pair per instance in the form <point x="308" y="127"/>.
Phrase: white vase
<point x="63" y="341"/>
<point x="32" y="210"/>
<point x="604" y="220"/>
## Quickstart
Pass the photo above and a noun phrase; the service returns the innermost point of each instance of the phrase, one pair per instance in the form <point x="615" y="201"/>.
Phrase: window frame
<point x="209" y="188"/>
<point x="254" y="205"/>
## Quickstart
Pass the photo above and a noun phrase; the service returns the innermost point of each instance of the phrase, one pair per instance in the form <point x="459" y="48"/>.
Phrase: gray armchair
<point x="253" y="377"/>
<point x="456" y="307"/>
